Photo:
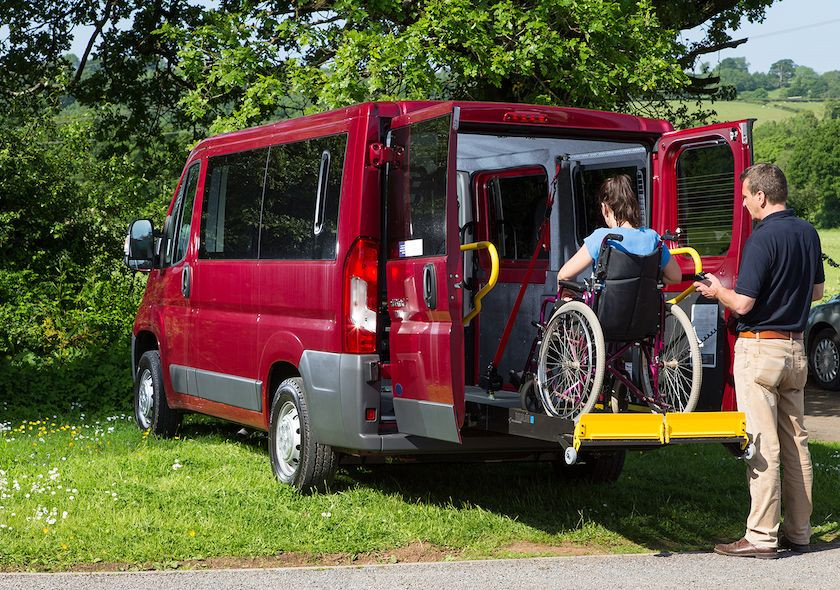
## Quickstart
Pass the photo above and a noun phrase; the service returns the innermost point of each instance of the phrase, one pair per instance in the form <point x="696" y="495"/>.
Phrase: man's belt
<point x="771" y="335"/>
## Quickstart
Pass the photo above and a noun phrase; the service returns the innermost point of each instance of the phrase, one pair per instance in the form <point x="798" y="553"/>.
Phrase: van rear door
<point x="423" y="274"/>
<point x="697" y="190"/>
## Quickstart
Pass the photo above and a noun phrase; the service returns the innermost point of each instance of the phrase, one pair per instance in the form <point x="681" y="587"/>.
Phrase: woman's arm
<point x="575" y="265"/>
<point x="672" y="273"/>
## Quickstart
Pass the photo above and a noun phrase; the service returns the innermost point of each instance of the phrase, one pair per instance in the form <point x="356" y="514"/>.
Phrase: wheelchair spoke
<point x="679" y="366"/>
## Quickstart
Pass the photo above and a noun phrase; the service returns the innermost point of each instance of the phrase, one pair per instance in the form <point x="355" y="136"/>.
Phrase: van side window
<point x="417" y="190"/>
<point x="290" y="230"/>
<point x="517" y="209"/>
<point x="230" y="218"/>
<point x="178" y="230"/>
<point x="705" y="198"/>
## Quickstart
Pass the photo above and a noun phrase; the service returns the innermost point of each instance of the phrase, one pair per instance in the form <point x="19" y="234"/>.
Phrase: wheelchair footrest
<point x="658" y="429"/>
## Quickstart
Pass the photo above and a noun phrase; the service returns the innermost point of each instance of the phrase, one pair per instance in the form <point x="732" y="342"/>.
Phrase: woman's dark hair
<point x="617" y="192"/>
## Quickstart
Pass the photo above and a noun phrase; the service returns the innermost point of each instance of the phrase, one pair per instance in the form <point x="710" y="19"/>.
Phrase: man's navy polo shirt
<point x="782" y="262"/>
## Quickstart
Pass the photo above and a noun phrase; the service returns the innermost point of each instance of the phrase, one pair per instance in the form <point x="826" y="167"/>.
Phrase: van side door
<point x="423" y="273"/>
<point x="224" y="289"/>
<point x="697" y="189"/>
<point x="177" y="258"/>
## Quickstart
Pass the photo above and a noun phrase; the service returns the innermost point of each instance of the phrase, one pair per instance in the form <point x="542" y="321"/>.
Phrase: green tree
<point x="734" y="71"/>
<point x="807" y="83"/>
<point x="808" y="150"/>
<point x="782" y="71"/>
<point x="247" y="60"/>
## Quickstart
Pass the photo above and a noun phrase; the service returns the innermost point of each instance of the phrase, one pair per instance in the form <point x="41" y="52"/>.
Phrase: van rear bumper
<point x="339" y="389"/>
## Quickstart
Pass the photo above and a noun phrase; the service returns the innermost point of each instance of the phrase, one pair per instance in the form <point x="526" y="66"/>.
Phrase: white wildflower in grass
<point x="177" y="464"/>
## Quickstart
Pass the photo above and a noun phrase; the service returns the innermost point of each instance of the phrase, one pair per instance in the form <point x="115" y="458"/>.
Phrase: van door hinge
<point x="380" y="154"/>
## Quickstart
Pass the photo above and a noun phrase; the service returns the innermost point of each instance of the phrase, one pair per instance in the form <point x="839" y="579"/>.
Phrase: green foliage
<point x="608" y="55"/>
<point x="784" y="77"/>
<point x="808" y="150"/>
<point x="66" y="303"/>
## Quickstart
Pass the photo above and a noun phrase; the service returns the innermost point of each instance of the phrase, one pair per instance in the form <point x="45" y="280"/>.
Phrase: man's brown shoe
<point x="786" y="543"/>
<point x="743" y="548"/>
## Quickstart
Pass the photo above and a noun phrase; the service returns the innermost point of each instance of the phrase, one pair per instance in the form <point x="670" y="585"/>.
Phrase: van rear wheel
<point x="151" y="410"/>
<point x="296" y="459"/>
<point x="596" y="467"/>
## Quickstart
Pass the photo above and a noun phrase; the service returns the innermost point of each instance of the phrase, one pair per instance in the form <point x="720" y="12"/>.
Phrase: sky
<point x="806" y="31"/>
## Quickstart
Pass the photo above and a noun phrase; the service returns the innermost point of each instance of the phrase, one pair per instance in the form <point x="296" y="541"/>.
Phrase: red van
<point x="308" y="279"/>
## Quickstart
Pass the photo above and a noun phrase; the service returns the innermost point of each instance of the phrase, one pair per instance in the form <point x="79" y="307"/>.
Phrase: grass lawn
<point x="830" y="240"/>
<point x="100" y="491"/>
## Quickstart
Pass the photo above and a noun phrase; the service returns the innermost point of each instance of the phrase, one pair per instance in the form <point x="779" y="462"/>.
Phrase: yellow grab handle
<point x="494" y="275"/>
<point x="698" y="268"/>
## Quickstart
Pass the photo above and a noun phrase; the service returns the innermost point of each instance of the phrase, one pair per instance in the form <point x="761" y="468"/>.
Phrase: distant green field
<point x="732" y="110"/>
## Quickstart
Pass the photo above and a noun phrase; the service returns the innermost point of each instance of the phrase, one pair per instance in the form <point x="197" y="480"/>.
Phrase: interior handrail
<point x="698" y="270"/>
<point x="494" y="276"/>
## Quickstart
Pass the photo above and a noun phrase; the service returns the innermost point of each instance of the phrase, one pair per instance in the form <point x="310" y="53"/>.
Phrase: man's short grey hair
<point x="769" y="179"/>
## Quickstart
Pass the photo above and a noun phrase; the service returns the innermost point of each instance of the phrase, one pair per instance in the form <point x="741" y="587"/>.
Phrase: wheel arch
<point x="143" y="342"/>
<point x="277" y="373"/>
<point x="815" y="330"/>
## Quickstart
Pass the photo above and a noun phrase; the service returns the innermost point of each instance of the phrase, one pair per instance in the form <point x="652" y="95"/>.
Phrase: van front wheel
<point x="151" y="410"/>
<point x="296" y="458"/>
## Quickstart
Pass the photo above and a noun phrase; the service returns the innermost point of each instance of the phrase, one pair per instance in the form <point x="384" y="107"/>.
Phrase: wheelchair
<point x="615" y="340"/>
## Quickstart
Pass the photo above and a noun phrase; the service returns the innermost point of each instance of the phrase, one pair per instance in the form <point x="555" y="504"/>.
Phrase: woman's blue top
<point x="640" y="241"/>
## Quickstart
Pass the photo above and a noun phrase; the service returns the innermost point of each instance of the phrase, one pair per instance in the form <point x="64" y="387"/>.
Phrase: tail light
<point x="360" y="296"/>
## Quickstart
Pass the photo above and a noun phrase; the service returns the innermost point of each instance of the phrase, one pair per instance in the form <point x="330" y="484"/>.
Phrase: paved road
<point x="815" y="571"/>
<point x="822" y="415"/>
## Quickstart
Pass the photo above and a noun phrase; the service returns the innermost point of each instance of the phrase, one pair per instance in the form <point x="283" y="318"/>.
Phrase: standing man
<point x="781" y="273"/>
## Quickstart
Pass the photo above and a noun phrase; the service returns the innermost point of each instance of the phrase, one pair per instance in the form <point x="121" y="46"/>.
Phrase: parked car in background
<point x="822" y="343"/>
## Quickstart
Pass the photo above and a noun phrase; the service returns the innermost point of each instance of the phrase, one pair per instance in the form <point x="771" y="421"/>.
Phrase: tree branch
<point x="689" y="58"/>
<point x="98" y="26"/>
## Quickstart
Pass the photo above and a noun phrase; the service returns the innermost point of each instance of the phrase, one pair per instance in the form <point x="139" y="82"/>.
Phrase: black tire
<point x="600" y="467"/>
<point x="529" y="399"/>
<point x="151" y="410"/>
<point x="824" y="359"/>
<point x="296" y="459"/>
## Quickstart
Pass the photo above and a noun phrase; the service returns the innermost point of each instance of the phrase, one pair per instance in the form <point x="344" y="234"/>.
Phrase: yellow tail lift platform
<point x="595" y="430"/>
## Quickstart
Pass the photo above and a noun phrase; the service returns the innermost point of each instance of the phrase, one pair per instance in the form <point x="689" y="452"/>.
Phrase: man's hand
<point x="709" y="286"/>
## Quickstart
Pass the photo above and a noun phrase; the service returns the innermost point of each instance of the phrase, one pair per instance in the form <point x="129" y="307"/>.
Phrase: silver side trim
<point x="239" y="392"/>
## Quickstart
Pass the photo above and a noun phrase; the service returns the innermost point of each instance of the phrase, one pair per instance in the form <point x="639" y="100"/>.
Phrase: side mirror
<point x="140" y="245"/>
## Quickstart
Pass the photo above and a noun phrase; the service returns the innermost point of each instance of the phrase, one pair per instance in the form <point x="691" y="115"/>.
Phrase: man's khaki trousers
<point x="770" y="378"/>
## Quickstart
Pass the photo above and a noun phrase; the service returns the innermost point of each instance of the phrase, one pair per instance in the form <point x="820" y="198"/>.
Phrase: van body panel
<point x="224" y="328"/>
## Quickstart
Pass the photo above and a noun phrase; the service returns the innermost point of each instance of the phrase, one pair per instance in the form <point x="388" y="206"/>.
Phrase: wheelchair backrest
<point x="630" y="301"/>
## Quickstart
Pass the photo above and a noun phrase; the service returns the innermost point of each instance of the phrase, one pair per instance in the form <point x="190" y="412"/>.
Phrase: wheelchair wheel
<point x="571" y="361"/>
<point x="528" y="397"/>
<point x="680" y="366"/>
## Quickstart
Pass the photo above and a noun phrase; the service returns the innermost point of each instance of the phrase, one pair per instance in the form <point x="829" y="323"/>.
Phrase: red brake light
<point x="360" y="296"/>
<point x="525" y="117"/>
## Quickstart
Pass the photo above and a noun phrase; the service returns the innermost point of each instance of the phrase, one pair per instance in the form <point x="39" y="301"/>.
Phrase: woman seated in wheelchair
<point x="620" y="208"/>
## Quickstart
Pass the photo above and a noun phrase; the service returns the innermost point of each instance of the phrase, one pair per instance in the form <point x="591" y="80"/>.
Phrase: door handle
<point x="430" y="286"/>
<point x="185" y="281"/>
